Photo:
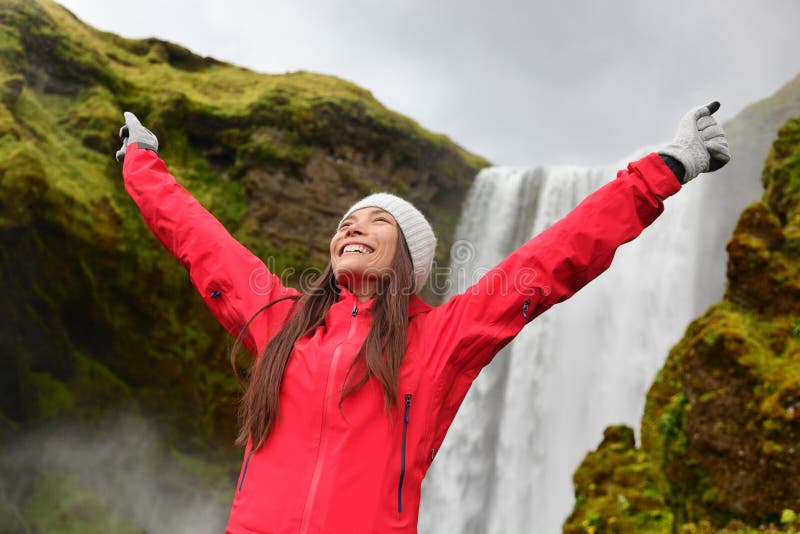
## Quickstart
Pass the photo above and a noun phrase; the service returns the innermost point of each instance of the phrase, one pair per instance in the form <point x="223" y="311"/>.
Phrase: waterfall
<point x="507" y="462"/>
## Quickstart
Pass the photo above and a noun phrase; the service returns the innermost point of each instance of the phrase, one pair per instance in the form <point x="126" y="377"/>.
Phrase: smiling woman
<point x="363" y="249"/>
<point x="356" y="380"/>
<point x="367" y="240"/>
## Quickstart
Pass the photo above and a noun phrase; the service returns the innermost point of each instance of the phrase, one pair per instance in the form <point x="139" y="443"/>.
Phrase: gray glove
<point x="134" y="132"/>
<point x="699" y="144"/>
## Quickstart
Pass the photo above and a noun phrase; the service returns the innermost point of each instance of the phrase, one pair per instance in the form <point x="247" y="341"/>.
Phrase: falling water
<point x="506" y="465"/>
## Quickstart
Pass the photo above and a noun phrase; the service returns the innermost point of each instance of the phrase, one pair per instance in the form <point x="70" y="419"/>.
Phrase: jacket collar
<point x="347" y="300"/>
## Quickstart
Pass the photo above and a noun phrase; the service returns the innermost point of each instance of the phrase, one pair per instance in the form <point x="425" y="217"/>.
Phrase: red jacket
<point x="355" y="471"/>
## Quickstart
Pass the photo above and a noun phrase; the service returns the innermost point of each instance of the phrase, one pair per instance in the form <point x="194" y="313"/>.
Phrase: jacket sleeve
<point x="232" y="281"/>
<point x="465" y="333"/>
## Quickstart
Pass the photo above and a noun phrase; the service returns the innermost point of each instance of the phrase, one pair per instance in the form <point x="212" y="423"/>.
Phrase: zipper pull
<point x="355" y="311"/>
<point x="408" y="406"/>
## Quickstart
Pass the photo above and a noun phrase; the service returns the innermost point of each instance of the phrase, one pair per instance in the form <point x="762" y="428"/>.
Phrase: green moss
<point x="53" y="396"/>
<point x="263" y="150"/>
<point x="618" y="489"/>
<point x="93" y="118"/>
<point x="96" y="383"/>
<point x="59" y="504"/>
<point x="708" y="396"/>
<point x="788" y="517"/>
<point x="672" y="422"/>
<point x="22" y="183"/>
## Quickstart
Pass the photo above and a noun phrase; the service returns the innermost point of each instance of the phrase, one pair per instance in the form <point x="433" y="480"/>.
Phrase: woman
<point x="356" y="381"/>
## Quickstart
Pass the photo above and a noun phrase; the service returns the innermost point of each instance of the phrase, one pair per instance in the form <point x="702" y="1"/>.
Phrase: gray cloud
<point x="521" y="83"/>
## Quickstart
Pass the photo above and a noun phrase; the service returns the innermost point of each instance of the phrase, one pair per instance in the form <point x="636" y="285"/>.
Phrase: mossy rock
<point x="619" y="489"/>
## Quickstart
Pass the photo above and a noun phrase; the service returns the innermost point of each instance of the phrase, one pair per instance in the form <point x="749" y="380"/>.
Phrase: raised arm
<point x="233" y="282"/>
<point x="467" y="331"/>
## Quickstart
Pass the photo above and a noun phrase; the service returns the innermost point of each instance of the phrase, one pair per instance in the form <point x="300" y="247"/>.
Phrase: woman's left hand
<point x="700" y="143"/>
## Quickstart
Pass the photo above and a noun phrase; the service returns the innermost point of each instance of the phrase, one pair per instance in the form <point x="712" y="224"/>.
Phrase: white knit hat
<point x="415" y="227"/>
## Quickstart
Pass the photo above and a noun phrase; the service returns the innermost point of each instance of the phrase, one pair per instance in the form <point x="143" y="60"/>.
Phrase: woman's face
<point x="363" y="248"/>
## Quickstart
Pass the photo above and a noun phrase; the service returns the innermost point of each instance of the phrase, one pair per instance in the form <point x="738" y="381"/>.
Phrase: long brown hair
<point x="380" y="356"/>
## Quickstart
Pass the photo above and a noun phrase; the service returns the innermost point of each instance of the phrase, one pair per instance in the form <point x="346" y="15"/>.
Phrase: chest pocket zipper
<point x="403" y="455"/>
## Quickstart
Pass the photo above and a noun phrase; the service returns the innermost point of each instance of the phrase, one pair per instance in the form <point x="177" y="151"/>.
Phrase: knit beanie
<point x="415" y="227"/>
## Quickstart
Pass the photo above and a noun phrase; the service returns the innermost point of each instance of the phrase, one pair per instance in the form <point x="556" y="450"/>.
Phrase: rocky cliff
<point x="95" y="317"/>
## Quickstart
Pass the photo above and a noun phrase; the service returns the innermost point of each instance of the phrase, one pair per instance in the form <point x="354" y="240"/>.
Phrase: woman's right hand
<point x="134" y="132"/>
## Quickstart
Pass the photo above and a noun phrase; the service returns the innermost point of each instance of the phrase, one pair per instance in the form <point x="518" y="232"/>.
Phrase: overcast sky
<point x="518" y="82"/>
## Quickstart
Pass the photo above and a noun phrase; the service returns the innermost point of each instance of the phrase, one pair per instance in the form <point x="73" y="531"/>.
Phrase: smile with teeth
<point x="357" y="248"/>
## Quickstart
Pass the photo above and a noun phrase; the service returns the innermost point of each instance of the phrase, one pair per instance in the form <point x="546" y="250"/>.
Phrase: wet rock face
<point x="732" y="440"/>
<point x="721" y="428"/>
<point x="763" y="269"/>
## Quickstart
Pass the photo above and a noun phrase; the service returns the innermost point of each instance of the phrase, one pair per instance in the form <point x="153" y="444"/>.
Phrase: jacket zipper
<point x="244" y="471"/>
<point x="323" y="442"/>
<point x="403" y="456"/>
